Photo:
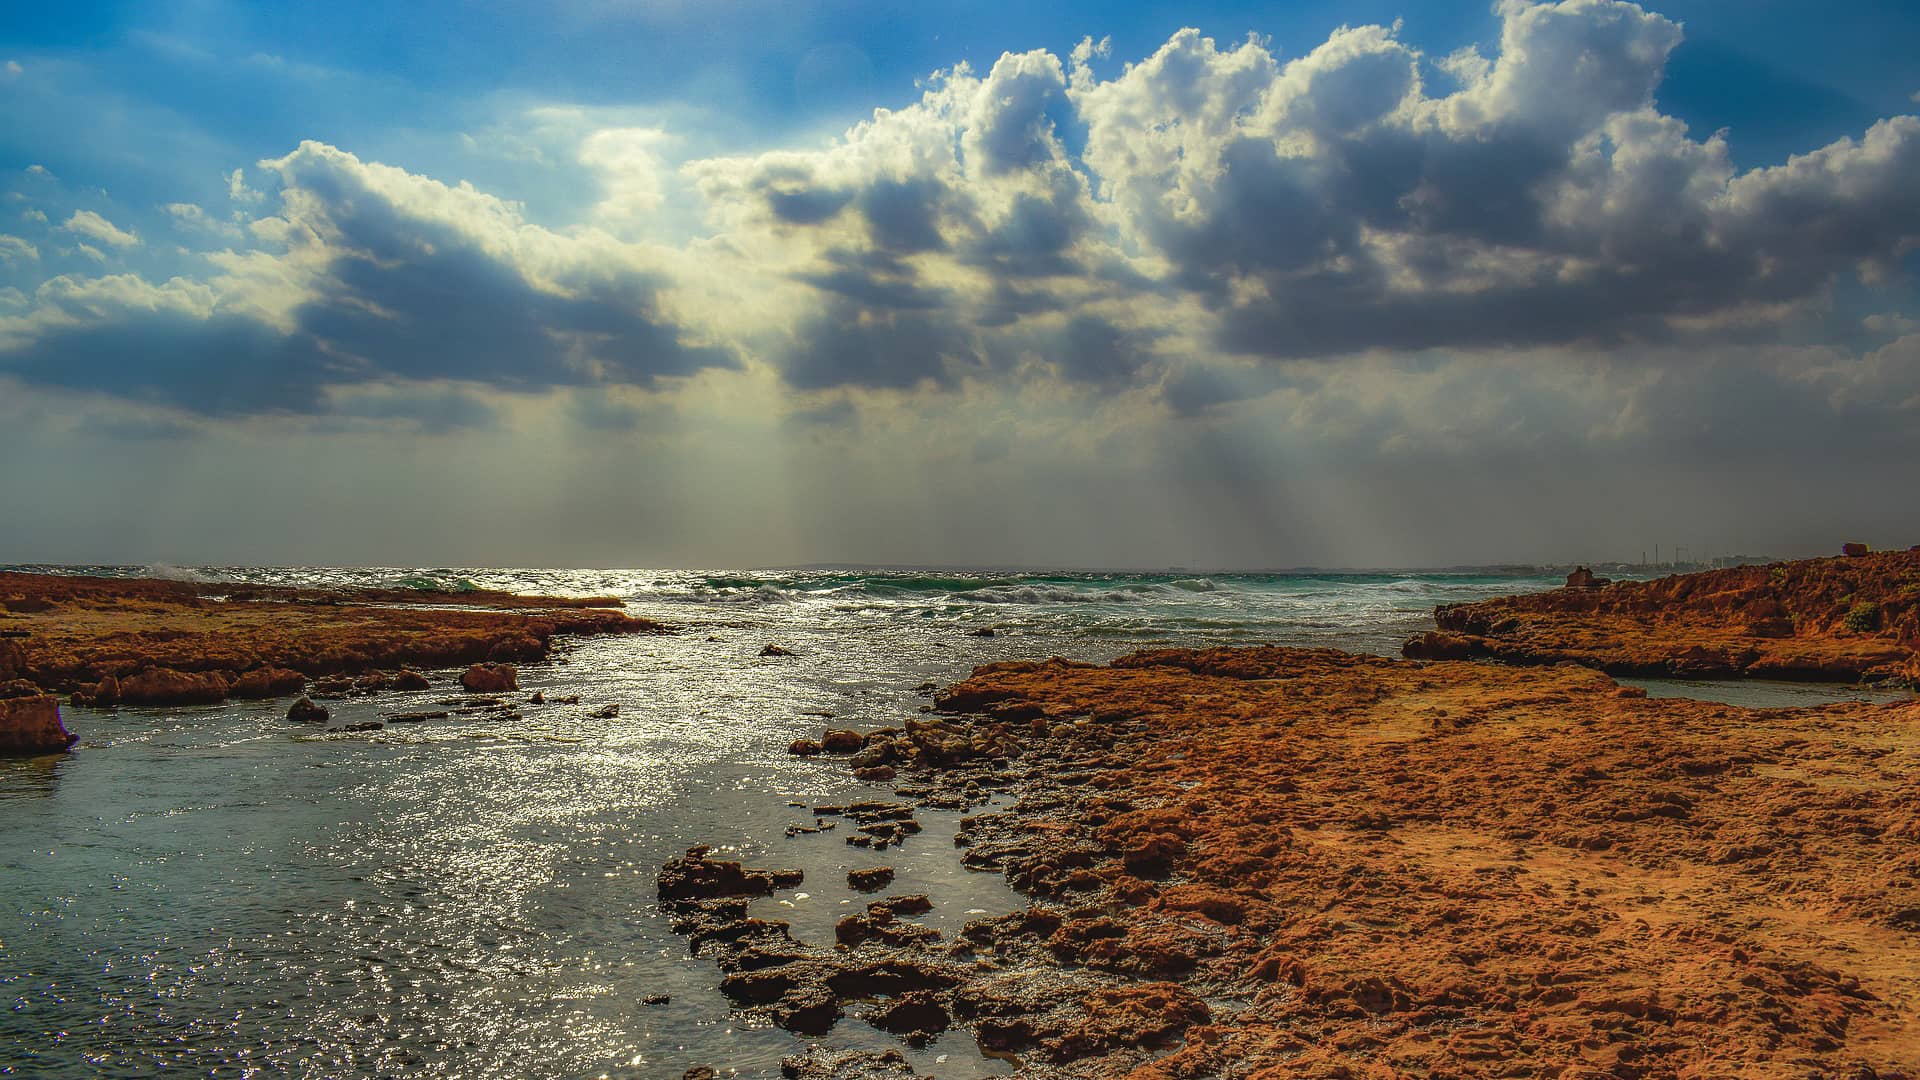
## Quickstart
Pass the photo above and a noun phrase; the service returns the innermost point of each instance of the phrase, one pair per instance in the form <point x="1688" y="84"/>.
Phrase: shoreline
<point x="1847" y="619"/>
<point x="1329" y="862"/>
<point x="146" y="641"/>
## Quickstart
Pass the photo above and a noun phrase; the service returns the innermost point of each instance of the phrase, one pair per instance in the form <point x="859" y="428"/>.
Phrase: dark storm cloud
<point x="1093" y="350"/>
<point x="848" y="345"/>
<point x="219" y="365"/>
<point x="1196" y="388"/>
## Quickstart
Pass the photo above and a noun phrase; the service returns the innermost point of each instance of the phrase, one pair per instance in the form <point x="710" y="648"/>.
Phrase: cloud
<point x="430" y="409"/>
<point x="370" y="275"/>
<point x="14" y="249"/>
<point x="1316" y="209"/>
<point x="91" y="225"/>
<point x="1190" y="233"/>
<point x="627" y="161"/>
<point x="933" y="243"/>
<point x="1890" y="323"/>
<point x="188" y="214"/>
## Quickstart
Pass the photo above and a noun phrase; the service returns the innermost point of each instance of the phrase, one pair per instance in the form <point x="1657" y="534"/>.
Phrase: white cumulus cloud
<point x="94" y="227"/>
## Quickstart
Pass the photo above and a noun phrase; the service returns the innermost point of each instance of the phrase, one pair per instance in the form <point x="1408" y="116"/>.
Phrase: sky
<point x="731" y="284"/>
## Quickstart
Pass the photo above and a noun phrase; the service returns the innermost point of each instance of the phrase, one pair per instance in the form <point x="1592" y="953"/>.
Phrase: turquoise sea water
<point x="214" y="891"/>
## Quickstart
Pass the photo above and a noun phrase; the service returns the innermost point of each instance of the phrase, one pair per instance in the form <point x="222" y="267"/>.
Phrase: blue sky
<point x="651" y="247"/>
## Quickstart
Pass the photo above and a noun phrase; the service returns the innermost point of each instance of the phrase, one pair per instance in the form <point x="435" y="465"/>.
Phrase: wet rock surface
<point x="1279" y="862"/>
<point x="305" y="711"/>
<point x="1836" y="620"/>
<point x="490" y="678"/>
<point x="156" y="642"/>
<point x="30" y="722"/>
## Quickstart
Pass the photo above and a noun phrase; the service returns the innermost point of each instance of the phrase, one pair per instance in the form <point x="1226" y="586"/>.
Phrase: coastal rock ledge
<point x="31" y="725"/>
<point x="1848" y="619"/>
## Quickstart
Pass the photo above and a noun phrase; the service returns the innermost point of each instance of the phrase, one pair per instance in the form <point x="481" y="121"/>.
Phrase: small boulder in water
<point x="776" y="650"/>
<point x="30" y="723"/>
<point x="306" y="712"/>
<point x="842" y="741"/>
<point x="803" y="748"/>
<point x="985" y="631"/>
<point x="408" y="679"/>
<point x="869" y="880"/>
<point x="491" y="678"/>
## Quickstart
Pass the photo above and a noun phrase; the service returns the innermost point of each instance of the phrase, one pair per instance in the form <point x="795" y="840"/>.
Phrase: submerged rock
<point x="305" y="711"/>
<point x="820" y="1063"/>
<point x="868" y="880"/>
<point x="694" y="876"/>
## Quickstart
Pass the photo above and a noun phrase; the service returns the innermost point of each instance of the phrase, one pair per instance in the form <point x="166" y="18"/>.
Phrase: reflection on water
<point x="1764" y="693"/>
<point x="214" y="890"/>
<point x="30" y="777"/>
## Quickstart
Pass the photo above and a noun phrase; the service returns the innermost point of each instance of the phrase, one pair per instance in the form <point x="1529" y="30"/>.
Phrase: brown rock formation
<point x="1278" y="862"/>
<point x="31" y="725"/>
<point x="170" y="642"/>
<point x="1390" y="869"/>
<point x="490" y="678"/>
<point x="1839" y="619"/>
<point x="1583" y="578"/>
<point x="165" y="686"/>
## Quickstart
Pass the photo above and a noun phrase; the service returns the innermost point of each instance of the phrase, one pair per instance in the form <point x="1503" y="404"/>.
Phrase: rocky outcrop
<point x="164" y="643"/>
<point x="1583" y="578"/>
<point x="1266" y="862"/>
<point x="306" y="711"/>
<point x="491" y="678"/>
<point x="1448" y="868"/>
<point x="1839" y="619"/>
<point x="694" y="876"/>
<point x="878" y="877"/>
<point x="165" y="686"/>
<point x="267" y="682"/>
<point x="30" y="725"/>
<point x="820" y="1063"/>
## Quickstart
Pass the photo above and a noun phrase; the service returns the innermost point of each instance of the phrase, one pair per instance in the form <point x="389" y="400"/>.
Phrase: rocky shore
<point x="1277" y="862"/>
<point x="30" y="722"/>
<point x="1844" y="619"/>
<point x="113" y="641"/>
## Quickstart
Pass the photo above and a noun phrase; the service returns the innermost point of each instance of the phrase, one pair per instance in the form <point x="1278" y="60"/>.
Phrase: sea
<point x="216" y="892"/>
